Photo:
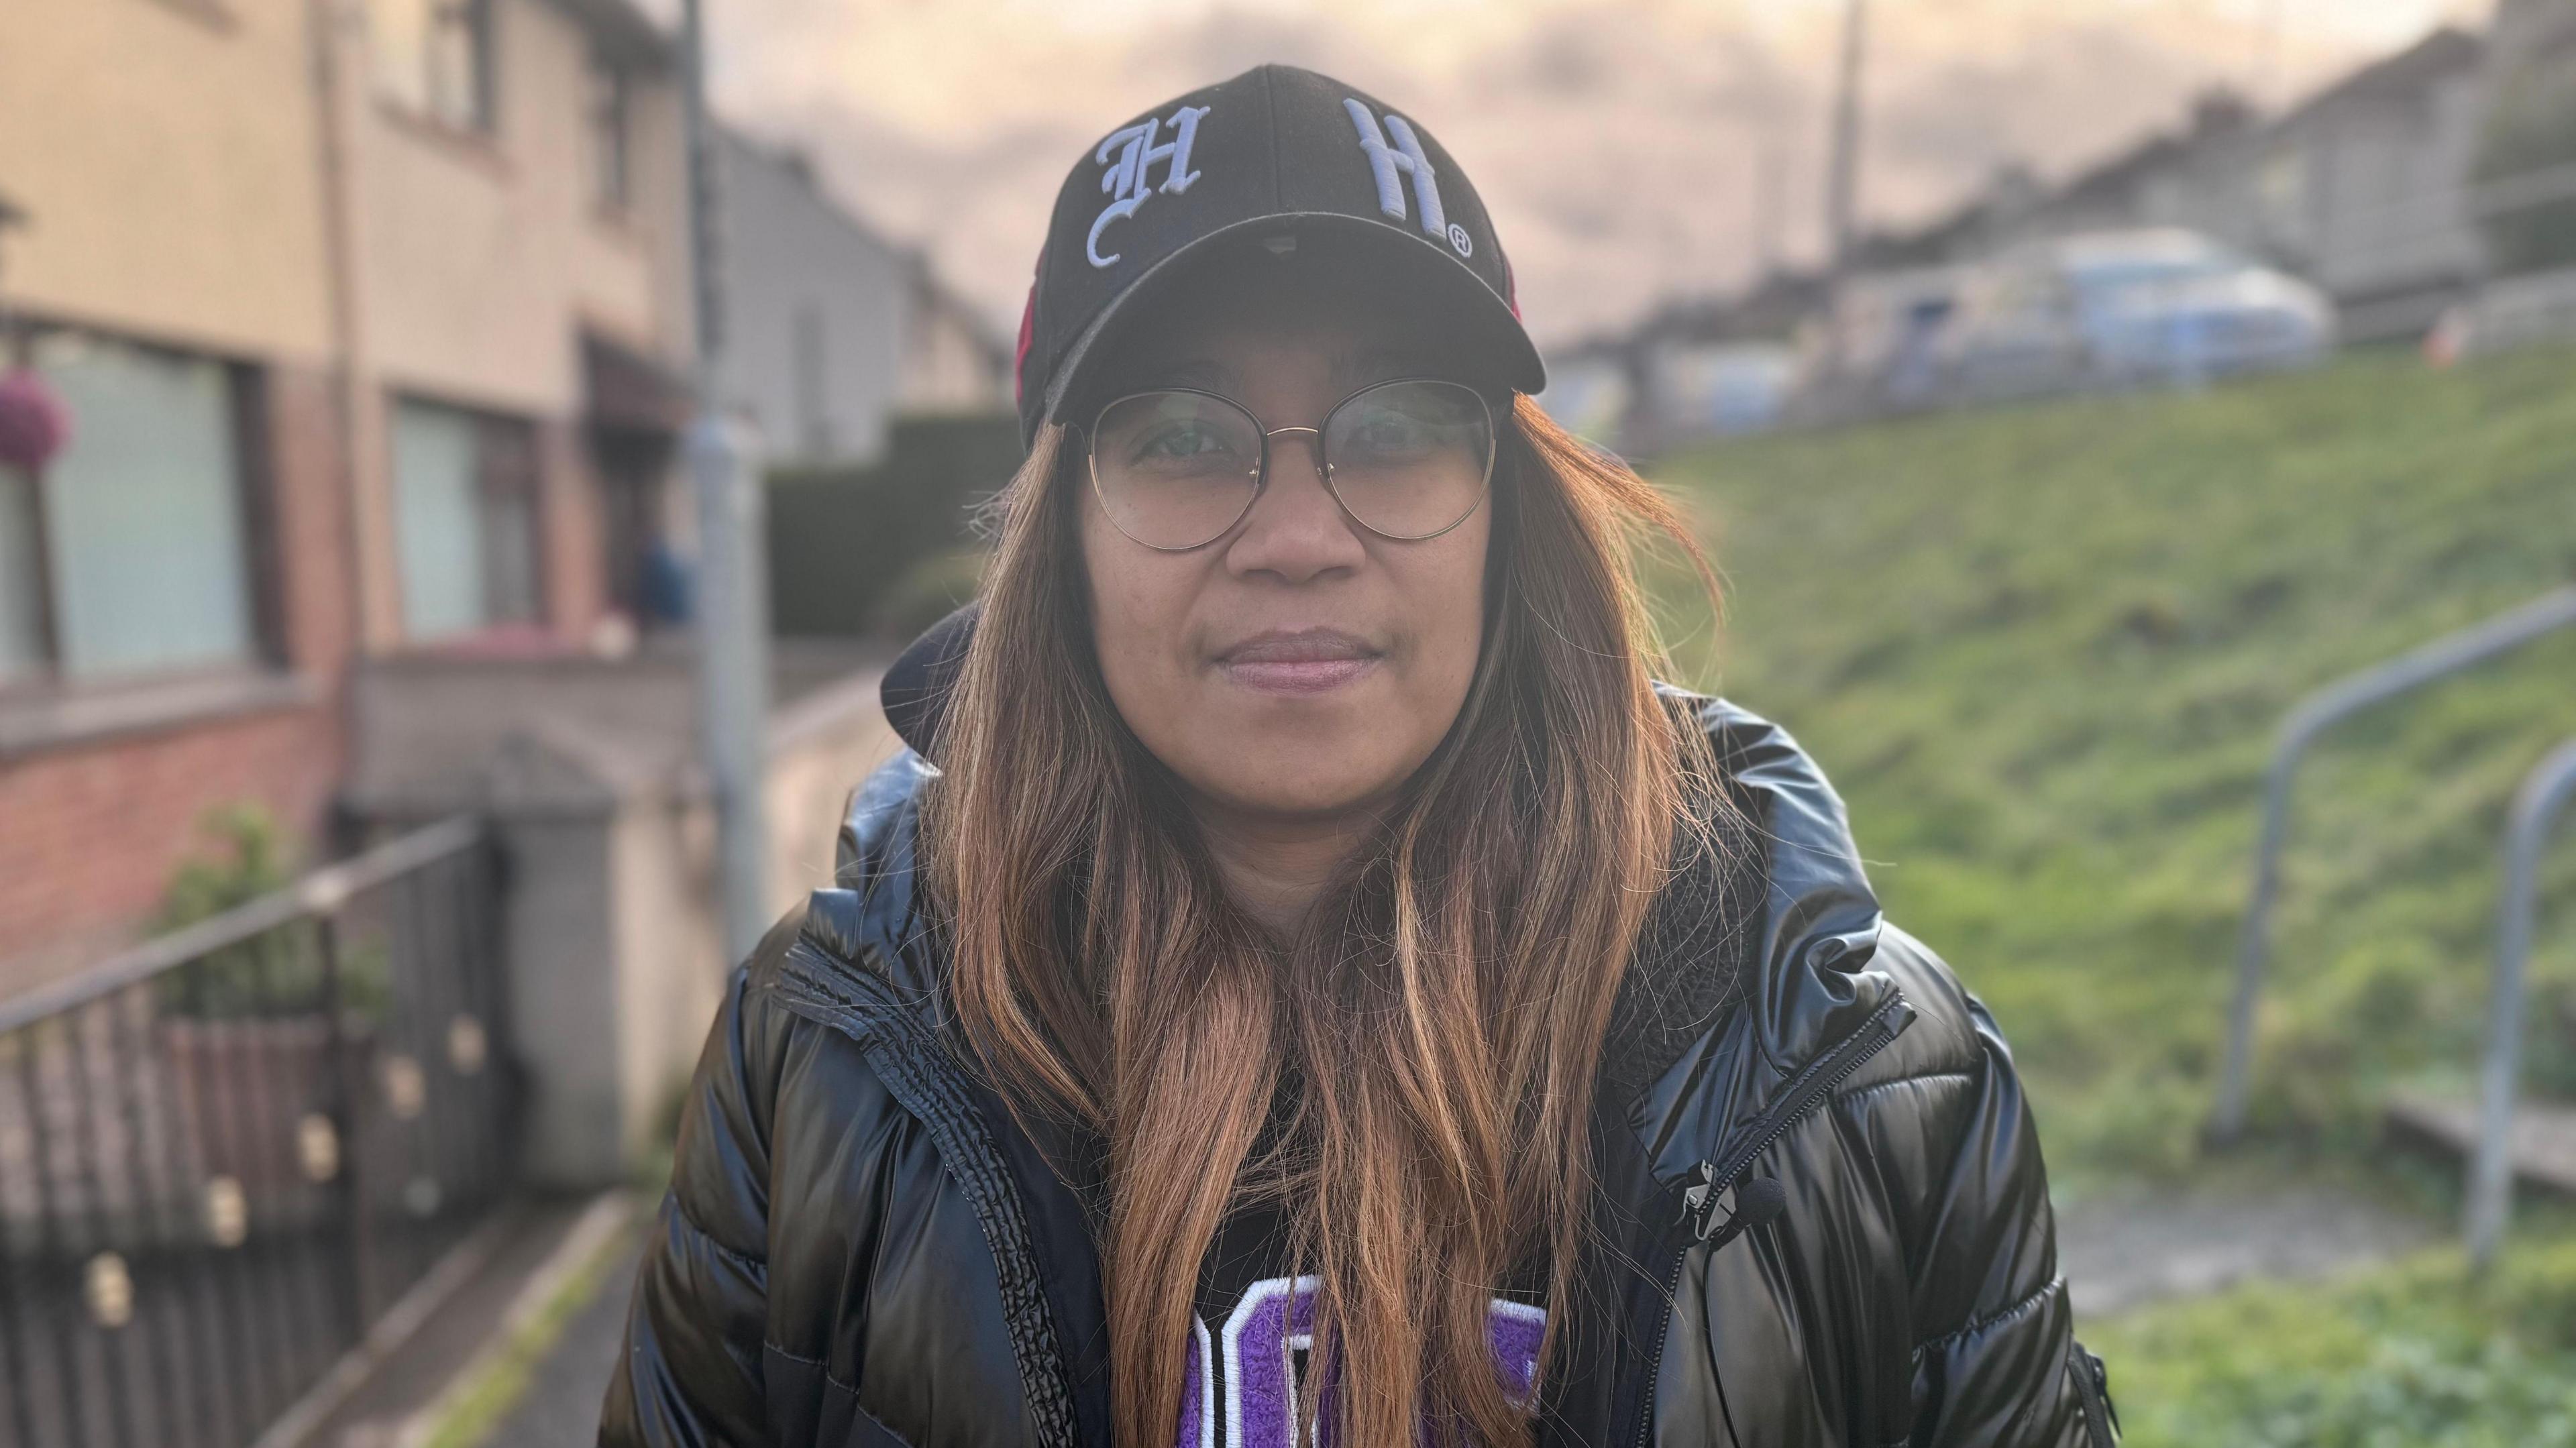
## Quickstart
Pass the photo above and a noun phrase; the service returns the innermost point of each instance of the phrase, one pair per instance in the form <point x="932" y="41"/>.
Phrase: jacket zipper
<point x="2093" y="1395"/>
<point x="919" y="1074"/>
<point x="1809" y="1091"/>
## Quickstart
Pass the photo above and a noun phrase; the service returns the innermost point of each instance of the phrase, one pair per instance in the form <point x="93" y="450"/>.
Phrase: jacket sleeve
<point x="1996" y="1361"/>
<point x="691" y="1370"/>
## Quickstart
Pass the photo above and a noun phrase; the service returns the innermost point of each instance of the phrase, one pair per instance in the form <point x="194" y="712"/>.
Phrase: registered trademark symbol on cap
<point x="1458" y="238"/>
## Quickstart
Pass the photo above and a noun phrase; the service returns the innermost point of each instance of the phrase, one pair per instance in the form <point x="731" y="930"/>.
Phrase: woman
<point x="1308" y="973"/>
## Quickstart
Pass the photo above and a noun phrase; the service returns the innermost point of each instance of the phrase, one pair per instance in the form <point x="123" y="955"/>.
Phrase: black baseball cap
<point x="1271" y="157"/>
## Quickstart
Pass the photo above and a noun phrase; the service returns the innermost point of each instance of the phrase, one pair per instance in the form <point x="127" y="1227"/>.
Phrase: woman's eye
<point x="1183" y="442"/>
<point x="1390" y="432"/>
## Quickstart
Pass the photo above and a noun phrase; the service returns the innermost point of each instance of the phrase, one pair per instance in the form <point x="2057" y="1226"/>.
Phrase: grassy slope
<point x="2416" y="1355"/>
<point x="2042" y="650"/>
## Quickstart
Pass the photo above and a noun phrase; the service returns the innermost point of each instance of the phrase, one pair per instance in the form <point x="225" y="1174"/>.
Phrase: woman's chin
<point x="1297" y="788"/>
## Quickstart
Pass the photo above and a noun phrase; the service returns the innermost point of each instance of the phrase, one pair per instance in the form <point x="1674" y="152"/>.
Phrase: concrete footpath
<point x="2130" y="1248"/>
<point x="561" y="1406"/>
<point x="500" y="1348"/>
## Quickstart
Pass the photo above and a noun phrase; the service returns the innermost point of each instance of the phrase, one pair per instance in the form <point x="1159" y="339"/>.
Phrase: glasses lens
<point x="1175" y="469"/>
<point x="1410" y="458"/>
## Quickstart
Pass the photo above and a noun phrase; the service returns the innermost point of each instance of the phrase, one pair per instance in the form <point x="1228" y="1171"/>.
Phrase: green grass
<point x="2420" y="1354"/>
<point x="2042" y="650"/>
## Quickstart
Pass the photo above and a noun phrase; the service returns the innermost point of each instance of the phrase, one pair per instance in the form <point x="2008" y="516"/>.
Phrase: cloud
<point x="1628" y="151"/>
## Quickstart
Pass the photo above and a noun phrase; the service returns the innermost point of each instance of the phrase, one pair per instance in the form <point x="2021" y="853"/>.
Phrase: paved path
<point x="408" y="1383"/>
<point x="2124" y="1250"/>
<point x="561" y="1409"/>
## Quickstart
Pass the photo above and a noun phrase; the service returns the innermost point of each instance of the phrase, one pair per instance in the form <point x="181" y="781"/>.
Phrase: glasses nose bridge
<point x="1323" y="469"/>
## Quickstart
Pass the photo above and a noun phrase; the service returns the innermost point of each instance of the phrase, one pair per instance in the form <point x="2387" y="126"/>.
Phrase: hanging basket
<point x="34" y="424"/>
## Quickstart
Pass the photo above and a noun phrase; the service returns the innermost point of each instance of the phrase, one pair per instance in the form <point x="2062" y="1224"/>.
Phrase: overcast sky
<point x="1629" y="151"/>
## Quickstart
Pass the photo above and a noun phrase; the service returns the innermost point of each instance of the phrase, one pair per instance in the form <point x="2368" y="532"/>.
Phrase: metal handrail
<point x="2544" y="792"/>
<point x="317" y="893"/>
<point x="2314" y="715"/>
<point x="225" y="1151"/>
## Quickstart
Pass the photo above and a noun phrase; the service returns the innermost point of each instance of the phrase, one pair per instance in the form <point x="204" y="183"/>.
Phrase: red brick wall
<point x="94" y="832"/>
<point x="571" y="516"/>
<point x="316" y="584"/>
<point x="91" y="831"/>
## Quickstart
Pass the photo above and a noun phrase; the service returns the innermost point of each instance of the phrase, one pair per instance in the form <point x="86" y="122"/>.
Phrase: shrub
<point x="929" y="590"/>
<point x="275" y="970"/>
<point x="843" y="541"/>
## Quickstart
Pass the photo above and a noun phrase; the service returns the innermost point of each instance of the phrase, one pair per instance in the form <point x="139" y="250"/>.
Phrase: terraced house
<point x="367" y="317"/>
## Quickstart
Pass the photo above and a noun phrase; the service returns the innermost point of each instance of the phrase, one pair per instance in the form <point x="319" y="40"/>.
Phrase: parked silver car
<point x="2127" y="308"/>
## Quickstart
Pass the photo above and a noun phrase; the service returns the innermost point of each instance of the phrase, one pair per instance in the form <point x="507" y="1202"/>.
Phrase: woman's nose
<point x="1296" y="529"/>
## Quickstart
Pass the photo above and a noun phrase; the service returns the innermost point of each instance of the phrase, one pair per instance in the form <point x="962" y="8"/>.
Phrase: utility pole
<point x="1842" y="180"/>
<point x="732" y="602"/>
<point x="1770" y="184"/>
<point x="2268" y="87"/>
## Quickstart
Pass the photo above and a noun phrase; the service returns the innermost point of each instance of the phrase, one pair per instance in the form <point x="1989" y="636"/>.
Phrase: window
<point x="130" y="553"/>
<point x="465" y="520"/>
<point x="434" y="58"/>
<point x="611" y="154"/>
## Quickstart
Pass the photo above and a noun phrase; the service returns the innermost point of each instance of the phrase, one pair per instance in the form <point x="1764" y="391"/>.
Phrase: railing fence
<point x="224" y="1154"/>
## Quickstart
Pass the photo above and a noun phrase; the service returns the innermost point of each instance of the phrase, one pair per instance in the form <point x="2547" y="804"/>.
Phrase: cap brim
<point x="1435" y="277"/>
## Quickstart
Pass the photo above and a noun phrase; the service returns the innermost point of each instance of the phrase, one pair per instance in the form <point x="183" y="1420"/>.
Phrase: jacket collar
<point x="875" y="913"/>
<point x="1808" y="982"/>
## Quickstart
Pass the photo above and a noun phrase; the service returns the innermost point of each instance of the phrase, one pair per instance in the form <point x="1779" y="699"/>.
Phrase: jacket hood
<point x="914" y="690"/>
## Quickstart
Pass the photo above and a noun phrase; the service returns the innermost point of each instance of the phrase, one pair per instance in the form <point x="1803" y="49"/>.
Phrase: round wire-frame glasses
<point x="1259" y="475"/>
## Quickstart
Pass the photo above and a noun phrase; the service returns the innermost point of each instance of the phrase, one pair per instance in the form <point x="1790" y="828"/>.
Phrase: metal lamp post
<point x="1842" y="175"/>
<point x="732" y="603"/>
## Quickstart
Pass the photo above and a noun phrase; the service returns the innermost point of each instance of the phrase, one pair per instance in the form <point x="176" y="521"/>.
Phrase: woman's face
<point x="1300" y="665"/>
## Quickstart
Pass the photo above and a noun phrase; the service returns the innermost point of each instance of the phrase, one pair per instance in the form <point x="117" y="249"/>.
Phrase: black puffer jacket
<point x="861" y="1247"/>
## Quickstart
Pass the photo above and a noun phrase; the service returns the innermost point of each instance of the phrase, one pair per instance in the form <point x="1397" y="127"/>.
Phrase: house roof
<point x="2216" y="115"/>
<point x="798" y="164"/>
<point x="2444" y="53"/>
<point x="938" y="294"/>
<point x="625" y="31"/>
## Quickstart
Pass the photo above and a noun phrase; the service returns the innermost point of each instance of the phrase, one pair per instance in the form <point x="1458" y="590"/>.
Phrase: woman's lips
<point x="1306" y="662"/>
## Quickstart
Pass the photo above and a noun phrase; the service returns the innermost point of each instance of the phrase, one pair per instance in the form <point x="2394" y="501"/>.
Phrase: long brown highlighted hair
<point x="1409" y="1081"/>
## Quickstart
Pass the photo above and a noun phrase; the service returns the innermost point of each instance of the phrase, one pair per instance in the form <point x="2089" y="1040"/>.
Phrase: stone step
<point x="2543" y="1146"/>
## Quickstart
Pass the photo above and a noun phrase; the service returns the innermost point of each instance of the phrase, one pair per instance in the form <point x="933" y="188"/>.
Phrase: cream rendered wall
<point x="654" y="230"/>
<point x="169" y="156"/>
<point x="795" y="260"/>
<point x="820" y="748"/>
<point x="480" y="259"/>
<point x="480" y="256"/>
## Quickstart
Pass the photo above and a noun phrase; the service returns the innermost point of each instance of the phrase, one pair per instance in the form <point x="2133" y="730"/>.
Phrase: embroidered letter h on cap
<point x="1280" y="150"/>
<point x="1125" y="179"/>
<point x="1410" y="161"/>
